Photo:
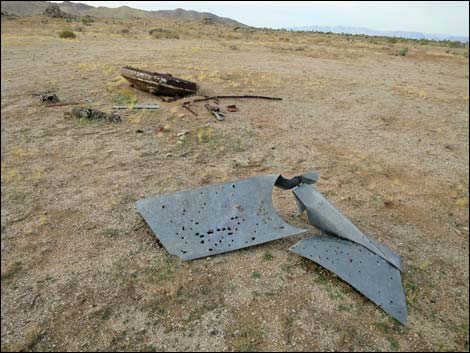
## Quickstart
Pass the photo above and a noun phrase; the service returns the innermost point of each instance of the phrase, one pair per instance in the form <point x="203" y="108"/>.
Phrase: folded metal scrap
<point x="225" y="217"/>
<point x="371" y="268"/>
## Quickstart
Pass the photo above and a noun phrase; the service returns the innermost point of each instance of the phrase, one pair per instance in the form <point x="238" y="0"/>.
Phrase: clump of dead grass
<point x="66" y="34"/>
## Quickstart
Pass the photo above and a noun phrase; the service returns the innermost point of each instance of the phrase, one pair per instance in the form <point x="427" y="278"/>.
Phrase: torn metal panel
<point x="216" y="219"/>
<point x="368" y="273"/>
<point x="324" y="216"/>
<point x="159" y="84"/>
<point x="287" y="184"/>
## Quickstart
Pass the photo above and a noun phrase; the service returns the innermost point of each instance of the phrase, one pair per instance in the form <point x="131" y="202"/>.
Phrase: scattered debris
<point x="137" y="106"/>
<point x="158" y="84"/>
<point x="48" y="98"/>
<point x="182" y="133"/>
<point x="207" y="98"/>
<point x="94" y="114"/>
<point x="186" y="106"/>
<point x="204" y="228"/>
<point x="214" y="110"/>
<point x="365" y="271"/>
<point x="232" y="108"/>
<point x="325" y="217"/>
<point x="139" y="131"/>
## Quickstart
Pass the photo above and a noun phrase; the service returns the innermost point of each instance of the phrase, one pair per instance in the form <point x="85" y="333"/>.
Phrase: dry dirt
<point x="80" y="270"/>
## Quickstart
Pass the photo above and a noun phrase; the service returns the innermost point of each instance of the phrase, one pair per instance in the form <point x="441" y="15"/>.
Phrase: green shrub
<point x="403" y="52"/>
<point x="87" y="20"/>
<point x="67" y="34"/>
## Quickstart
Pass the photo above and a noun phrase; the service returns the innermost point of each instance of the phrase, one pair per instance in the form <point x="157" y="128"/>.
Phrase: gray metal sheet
<point x="368" y="273"/>
<point x="324" y="216"/>
<point x="216" y="219"/>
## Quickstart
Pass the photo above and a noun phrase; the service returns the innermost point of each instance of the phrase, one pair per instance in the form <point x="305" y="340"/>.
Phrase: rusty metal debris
<point x="94" y="114"/>
<point x="230" y="216"/>
<point x="235" y="97"/>
<point x="232" y="108"/>
<point x="157" y="83"/>
<point x="214" y="110"/>
<point x="185" y="105"/>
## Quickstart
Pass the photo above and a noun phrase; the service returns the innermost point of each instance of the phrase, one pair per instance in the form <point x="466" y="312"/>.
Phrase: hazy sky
<point x="447" y="17"/>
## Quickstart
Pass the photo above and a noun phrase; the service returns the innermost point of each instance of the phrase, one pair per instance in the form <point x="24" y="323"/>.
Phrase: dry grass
<point x="388" y="135"/>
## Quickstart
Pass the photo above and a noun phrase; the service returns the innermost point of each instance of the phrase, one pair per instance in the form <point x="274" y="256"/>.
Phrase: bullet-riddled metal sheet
<point x="326" y="217"/>
<point x="367" y="272"/>
<point x="216" y="219"/>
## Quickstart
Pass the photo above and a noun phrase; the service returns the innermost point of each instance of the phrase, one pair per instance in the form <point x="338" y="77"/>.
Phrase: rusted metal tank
<point x="159" y="84"/>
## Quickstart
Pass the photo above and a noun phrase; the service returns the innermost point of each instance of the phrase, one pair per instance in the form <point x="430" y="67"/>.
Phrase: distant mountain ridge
<point x="373" y="32"/>
<point x="30" y="8"/>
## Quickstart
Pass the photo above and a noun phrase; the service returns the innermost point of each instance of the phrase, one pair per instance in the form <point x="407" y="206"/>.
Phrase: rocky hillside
<point x="29" y="8"/>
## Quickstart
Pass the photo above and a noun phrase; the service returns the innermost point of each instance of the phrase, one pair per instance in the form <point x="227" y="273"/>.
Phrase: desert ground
<point x="384" y="122"/>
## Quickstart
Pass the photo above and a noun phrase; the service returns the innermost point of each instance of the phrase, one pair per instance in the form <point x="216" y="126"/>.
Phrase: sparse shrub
<point x="402" y="52"/>
<point x="267" y="256"/>
<point x="124" y="31"/>
<point x="67" y="34"/>
<point x="424" y="41"/>
<point x="456" y="44"/>
<point x="256" y="275"/>
<point x="87" y="20"/>
<point x="233" y="47"/>
<point x="392" y="40"/>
